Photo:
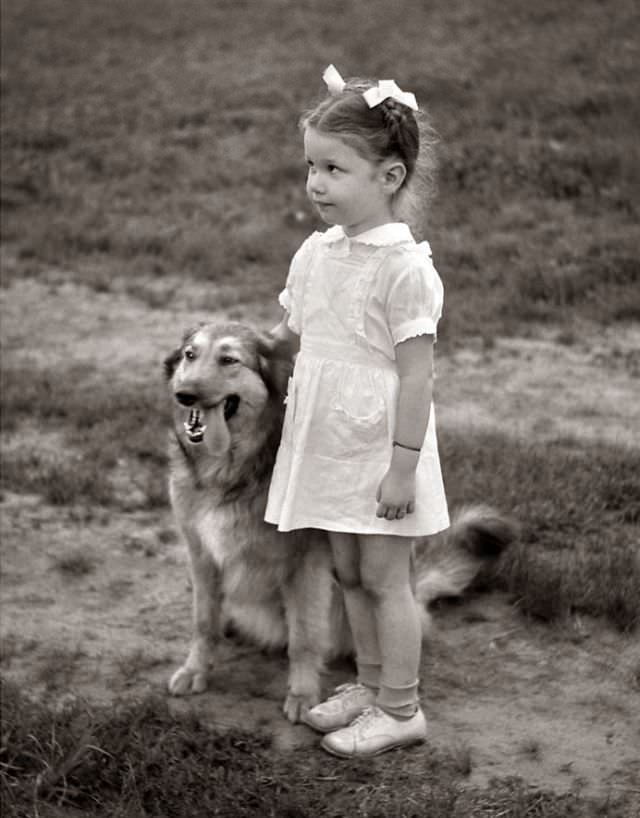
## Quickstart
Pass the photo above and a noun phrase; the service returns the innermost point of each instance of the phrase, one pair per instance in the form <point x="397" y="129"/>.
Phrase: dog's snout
<point x="186" y="398"/>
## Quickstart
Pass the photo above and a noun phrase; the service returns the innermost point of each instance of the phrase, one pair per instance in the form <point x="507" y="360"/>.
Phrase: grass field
<point x="142" y="143"/>
<point x="142" y="761"/>
<point x="151" y="165"/>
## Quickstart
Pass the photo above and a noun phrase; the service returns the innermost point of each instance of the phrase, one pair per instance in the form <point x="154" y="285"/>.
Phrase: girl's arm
<point x="284" y="338"/>
<point x="414" y="359"/>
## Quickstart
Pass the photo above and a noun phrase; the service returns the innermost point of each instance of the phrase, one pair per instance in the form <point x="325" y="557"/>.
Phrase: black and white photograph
<point x="320" y="409"/>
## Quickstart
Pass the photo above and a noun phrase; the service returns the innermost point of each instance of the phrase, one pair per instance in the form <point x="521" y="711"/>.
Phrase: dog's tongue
<point x="217" y="438"/>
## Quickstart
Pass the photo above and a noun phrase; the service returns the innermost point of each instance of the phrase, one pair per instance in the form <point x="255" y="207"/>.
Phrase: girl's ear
<point x="394" y="173"/>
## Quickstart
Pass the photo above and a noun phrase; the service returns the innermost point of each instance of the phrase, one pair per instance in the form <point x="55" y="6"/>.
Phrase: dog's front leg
<point x="307" y="604"/>
<point x="207" y="600"/>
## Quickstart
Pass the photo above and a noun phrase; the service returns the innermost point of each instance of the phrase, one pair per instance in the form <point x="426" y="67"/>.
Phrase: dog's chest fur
<point x="216" y="528"/>
<point x="254" y="560"/>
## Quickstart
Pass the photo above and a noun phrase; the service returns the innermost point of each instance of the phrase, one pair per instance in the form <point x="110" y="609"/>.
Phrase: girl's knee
<point x="380" y="586"/>
<point x="382" y="583"/>
<point x="346" y="559"/>
<point x="385" y="566"/>
<point x="348" y="577"/>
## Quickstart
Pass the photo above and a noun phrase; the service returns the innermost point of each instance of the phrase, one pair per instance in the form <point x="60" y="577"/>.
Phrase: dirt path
<point x="98" y="605"/>
<point x="509" y="697"/>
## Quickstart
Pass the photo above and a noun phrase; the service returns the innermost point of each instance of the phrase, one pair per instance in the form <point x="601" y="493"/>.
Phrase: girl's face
<point x="346" y="188"/>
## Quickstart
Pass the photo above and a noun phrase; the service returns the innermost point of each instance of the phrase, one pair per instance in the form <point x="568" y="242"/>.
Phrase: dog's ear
<point x="171" y="362"/>
<point x="173" y="359"/>
<point x="275" y="360"/>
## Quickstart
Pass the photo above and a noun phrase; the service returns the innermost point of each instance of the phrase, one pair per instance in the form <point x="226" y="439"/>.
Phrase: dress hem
<point x="333" y="527"/>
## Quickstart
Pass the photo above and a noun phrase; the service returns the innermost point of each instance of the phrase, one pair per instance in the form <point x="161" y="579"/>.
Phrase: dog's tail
<point x="447" y="563"/>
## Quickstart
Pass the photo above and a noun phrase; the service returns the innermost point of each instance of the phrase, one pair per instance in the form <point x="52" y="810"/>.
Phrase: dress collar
<point x="381" y="236"/>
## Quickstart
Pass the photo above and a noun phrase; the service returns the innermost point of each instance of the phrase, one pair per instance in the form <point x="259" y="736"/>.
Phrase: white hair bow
<point x="334" y="81"/>
<point x="386" y="89"/>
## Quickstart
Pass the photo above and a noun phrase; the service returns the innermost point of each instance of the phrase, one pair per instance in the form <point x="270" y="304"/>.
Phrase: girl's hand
<point x="396" y="493"/>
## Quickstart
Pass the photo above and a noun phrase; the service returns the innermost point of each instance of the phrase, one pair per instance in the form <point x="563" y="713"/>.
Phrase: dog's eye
<point x="227" y="360"/>
<point x="189" y="352"/>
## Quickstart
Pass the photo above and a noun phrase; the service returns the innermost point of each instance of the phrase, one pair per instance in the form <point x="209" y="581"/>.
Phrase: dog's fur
<point x="227" y="387"/>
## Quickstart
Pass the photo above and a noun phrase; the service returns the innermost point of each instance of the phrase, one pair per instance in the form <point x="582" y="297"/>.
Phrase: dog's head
<point x="227" y="383"/>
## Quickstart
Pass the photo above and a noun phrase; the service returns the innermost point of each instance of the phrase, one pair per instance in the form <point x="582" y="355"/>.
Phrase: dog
<point x="228" y="384"/>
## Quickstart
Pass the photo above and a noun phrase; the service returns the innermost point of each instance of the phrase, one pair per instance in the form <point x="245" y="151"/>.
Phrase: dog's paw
<point x="186" y="681"/>
<point x="296" y="705"/>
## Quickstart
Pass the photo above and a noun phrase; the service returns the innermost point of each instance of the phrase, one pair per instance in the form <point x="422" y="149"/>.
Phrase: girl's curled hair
<point x="389" y="129"/>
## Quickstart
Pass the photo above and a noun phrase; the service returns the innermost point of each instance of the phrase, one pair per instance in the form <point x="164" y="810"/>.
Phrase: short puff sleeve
<point x="416" y="295"/>
<point x="291" y="297"/>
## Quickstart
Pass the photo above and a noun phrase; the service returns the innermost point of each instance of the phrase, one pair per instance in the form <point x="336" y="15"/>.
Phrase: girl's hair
<point x="390" y="129"/>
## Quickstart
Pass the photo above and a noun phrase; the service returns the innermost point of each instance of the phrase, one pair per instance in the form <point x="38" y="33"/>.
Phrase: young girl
<point x="358" y="455"/>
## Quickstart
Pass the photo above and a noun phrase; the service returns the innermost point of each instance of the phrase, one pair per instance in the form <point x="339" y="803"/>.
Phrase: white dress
<point x="351" y="300"/>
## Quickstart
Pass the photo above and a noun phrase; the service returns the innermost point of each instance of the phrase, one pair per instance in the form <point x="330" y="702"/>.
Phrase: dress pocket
<point x="358" y="413"/>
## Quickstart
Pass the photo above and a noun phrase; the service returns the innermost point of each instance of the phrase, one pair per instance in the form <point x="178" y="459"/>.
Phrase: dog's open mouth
<point x="195" y="428"/>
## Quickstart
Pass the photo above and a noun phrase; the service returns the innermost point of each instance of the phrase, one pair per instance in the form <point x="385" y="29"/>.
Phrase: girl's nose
<point x="314" y="182"/>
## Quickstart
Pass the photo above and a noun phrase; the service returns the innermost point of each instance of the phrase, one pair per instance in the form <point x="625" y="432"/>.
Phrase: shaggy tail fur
<point x="446" y="567"/>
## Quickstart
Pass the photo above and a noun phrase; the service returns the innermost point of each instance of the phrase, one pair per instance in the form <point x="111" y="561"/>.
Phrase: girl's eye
<point x="189" y="352"/>
<point x="227" y="360"/>
<point x="333" y="168"/>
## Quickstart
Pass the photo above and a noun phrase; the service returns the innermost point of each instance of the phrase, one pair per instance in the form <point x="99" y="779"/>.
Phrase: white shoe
<point x="373" y="732"/>
<point x="340" y="709"/>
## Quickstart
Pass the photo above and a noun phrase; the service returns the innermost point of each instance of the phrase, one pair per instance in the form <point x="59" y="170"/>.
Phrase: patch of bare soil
<point x="98" y="605"/>
<point x="538" y="389"/>
<point x="557" y="707"/>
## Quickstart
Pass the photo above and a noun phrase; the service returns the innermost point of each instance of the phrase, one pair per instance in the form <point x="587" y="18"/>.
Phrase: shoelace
<point x="347" y="687"/>
<point x="367" y="715"/>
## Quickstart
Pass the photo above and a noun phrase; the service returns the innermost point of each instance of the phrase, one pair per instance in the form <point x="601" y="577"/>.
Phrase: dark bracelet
<point x="410" y="448"/>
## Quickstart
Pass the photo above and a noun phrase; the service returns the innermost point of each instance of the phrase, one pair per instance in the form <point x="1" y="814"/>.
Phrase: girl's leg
<point x="359" y="606"/>
<point x="385" y="574"/>
<point x="350" y="700"/>
<point x="397" y="720"/>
